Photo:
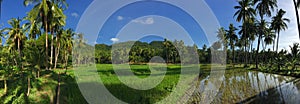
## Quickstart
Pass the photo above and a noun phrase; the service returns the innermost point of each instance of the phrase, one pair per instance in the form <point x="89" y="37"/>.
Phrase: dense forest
<point x="142" y="52"/>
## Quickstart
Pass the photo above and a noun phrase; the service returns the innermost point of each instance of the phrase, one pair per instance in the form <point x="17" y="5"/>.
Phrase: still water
<point x="243" y="86"/>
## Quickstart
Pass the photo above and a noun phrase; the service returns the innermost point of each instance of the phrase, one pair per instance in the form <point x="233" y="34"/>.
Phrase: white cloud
<point x="120" y="18"/>
<point x="74" y="14"/>
<point x="95" y="42"/>
<point x="145" y="21"/>
<point x="289" y="36"/>
<point x="114" y="40"/>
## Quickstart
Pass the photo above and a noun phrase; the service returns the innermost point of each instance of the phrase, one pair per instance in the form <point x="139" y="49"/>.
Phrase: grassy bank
<point x="43" y="89"/>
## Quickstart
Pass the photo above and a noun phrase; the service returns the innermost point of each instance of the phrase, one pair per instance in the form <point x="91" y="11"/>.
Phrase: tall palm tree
<point x="63" y="38"/>
<point x="222" y="37"/>
<point x="43" y="11"/>
<point x="244" y="10"/>
<point x="40" y="12"/>
<point x="263" y="29"/>
<point x="269" y="37"/>
<point x="32" y="28"/>
<point x="16" y="35"/>
<point x="279" y="23"/>
<point x="232" y="37"/>
<point x="296" y="6"/>
<point x="244" y="13"/>
<point x="56" y="22"/>
<point x="1" y="36"/>
<point x="250" y="26"/>
<point x="263" y="7"/>
<point x="295" y="52"/>
<point x="167" y="45"/>
<point x="67" y="45"/>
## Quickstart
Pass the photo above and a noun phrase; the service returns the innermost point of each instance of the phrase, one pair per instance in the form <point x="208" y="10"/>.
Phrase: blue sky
<point x="130" y="20"/>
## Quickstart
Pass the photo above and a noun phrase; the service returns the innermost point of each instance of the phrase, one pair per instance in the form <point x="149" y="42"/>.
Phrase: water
<point x="243" y="86"/>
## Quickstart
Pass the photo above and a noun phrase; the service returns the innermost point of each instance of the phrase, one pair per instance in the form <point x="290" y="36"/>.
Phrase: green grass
<point x="43" y="89"/>
<point x="130" y="95"/>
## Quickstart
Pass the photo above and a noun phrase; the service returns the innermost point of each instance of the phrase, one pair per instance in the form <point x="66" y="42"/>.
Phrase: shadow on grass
<point x="70" y="92"/>
<point x="43" y="89"/>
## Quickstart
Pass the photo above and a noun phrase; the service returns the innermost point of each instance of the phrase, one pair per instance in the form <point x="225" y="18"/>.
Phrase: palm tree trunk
<point x="66" y="60"/>
<point x="51" y="54"/>
<point x="19" y="48"/>
<point x="277" y="41"/>
<point x="297" y="16"/>
<point x="38" y="72"/>
<point x="58" y="89"/>
<point x="274" y="43"/>
<point x="20" y="54"/>
<point x="57" y="52"/>
<point x="245" y="50"/>
<point x="233" y="57"/>
<point x="5" y="86"/>
<point x="28" y="86"/>
<point x="251" y="52"/>
<point x="257" y="50"/>
<point x="46" y="46"/>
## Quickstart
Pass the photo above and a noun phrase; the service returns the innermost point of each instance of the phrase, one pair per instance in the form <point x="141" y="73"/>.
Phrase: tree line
<point x="259" y="24"/>
<point x="143" y="52"/>
<point x="35" y="42"/>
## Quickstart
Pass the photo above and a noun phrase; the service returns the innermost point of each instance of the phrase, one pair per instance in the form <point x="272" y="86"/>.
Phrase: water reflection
<point x="242" y="86"/>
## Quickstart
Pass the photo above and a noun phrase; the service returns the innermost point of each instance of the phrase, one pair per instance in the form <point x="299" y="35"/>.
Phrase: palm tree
<point x="244" y="13"/>
<point x="250" y="26"/>
<point x="279" y="23"/>
<point x="263" y="7"/>
<point x="16" y="35"/>
<point x="1" y="36"/>
<point x="167" y="45"/>
<point x="67" y="45"/>
<point x="32" y="28"/>
<point x="295" y="51"/>
<point x="43" y="11"/>
<point x="297" y="5"/>
<point x="222" y="37"/>
<point x="63" y="37"/>
<point x="56" y="22"/>
<point x="232" y="37"/>
<point x="269" y="37"/>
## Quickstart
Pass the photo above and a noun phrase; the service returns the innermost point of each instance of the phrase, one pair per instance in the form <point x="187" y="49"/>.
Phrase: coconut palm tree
<point x="244" y="13"/>
<point x="56" y="22"/>
<point x="295" y="52"/>
<point x="264" y="8"/>
<point x="244" y="10"/>
<point x="232" y="37"/>
<point x="64" y="37"/>
<point x="67" y="45"/>
<point x="296" y="6"/>
<point x="1" y="36"/>
<point x="269" y="37"/>
<point x="250" y="26"/>
<point x="43" y="11"/>
<point x="32" y="28"/>
<point x="16" y="35"/>
<point x="222" y="37"/>
<point x="279" y="23"/>
<point x="167" y="45"/>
